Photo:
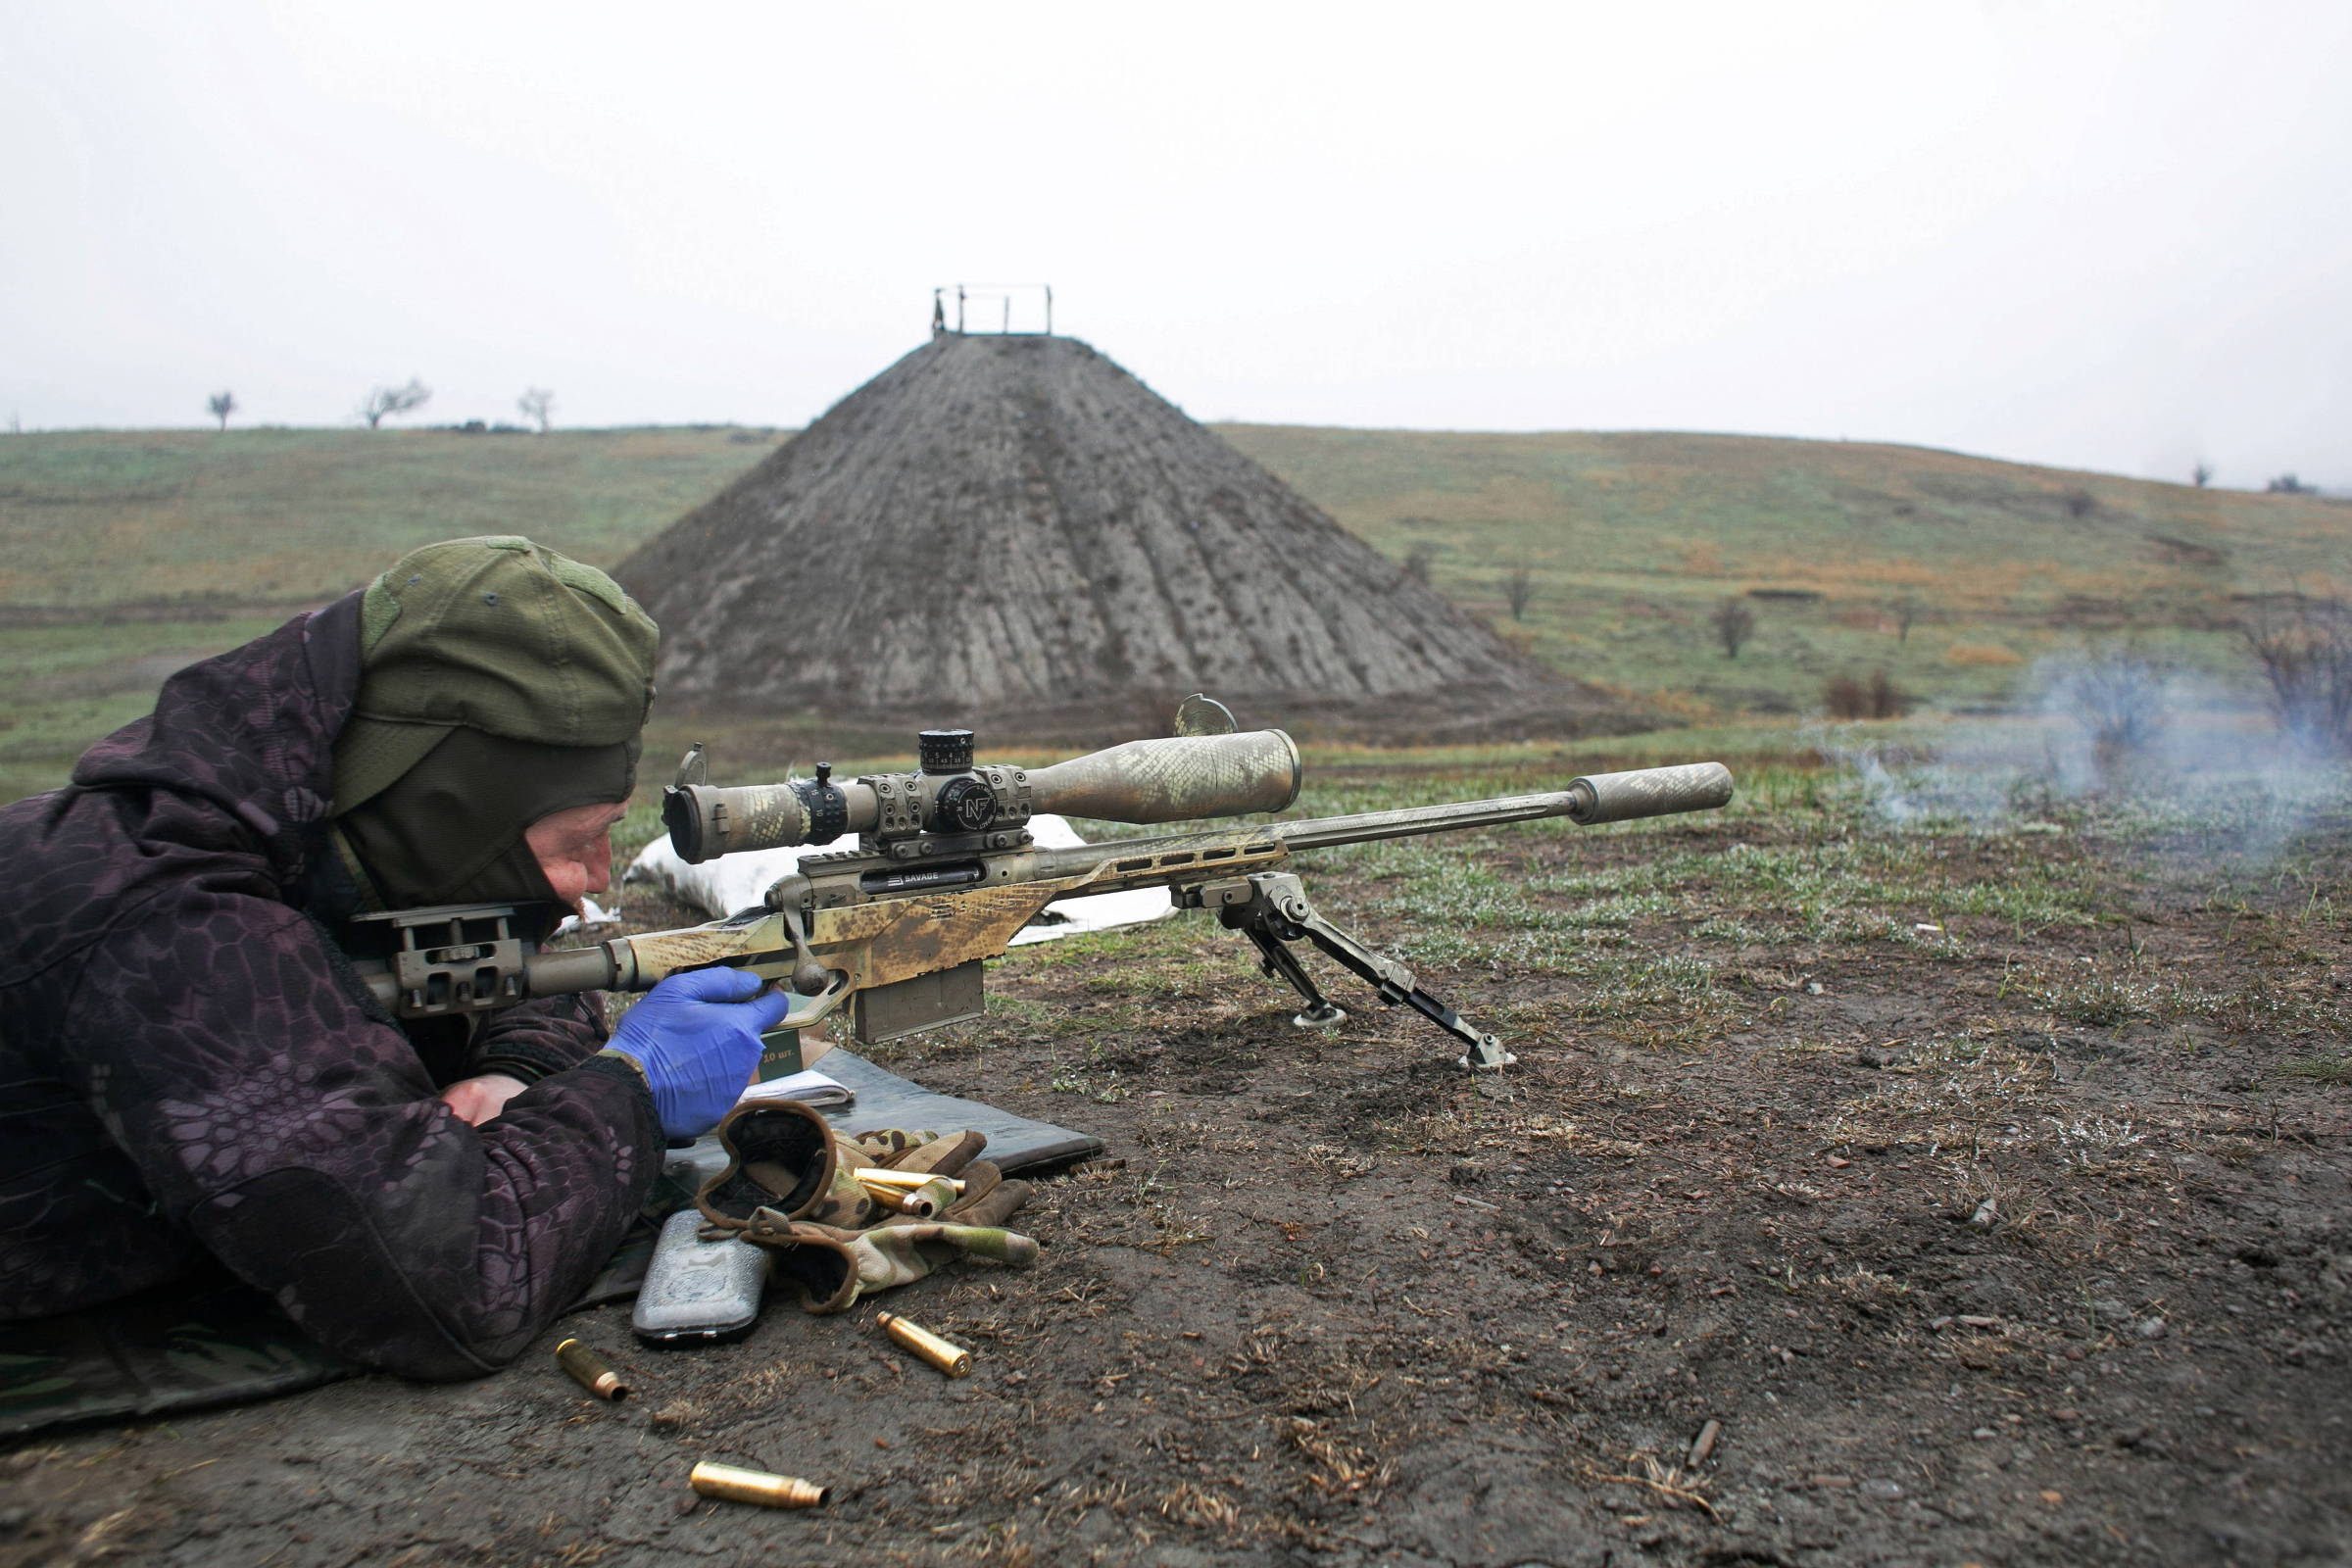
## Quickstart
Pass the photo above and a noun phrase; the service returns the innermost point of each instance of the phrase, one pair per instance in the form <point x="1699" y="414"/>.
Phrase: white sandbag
<point x="593" y="916"/>
<point x="732" y="882"/>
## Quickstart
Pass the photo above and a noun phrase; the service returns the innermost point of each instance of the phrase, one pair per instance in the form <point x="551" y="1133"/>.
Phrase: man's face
<point x="574" y="847"/>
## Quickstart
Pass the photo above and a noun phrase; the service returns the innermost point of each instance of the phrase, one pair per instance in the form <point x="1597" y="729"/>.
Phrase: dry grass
<point x="1981" y="655"/>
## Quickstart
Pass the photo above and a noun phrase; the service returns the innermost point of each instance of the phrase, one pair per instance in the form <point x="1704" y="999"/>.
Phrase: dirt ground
<point x="1801" y="1234"/>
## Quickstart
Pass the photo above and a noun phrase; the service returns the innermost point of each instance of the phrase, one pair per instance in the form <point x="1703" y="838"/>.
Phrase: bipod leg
<point x="1485" y="1049"/>
<point x="1278" y="906"/>
<point x="1280" y="963"/>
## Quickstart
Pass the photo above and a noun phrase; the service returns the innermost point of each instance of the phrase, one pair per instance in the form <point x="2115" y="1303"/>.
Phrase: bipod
<point x="1271" y="909"/>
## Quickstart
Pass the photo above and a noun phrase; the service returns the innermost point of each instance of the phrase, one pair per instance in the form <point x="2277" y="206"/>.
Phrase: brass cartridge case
<point x="590" y="1371"/>
<point x="905" y="1181"/>
<point x="737" y="1484"/>
<point x="923" y="1203"/>
<point x="893" y="1200"/>
<point x="946" y="1355"/>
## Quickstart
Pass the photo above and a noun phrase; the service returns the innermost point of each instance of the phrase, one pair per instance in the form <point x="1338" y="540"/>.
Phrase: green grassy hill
<point x="91" y="518"/>
<point x="1630" y="541"/>
<point x="124" y="555"/>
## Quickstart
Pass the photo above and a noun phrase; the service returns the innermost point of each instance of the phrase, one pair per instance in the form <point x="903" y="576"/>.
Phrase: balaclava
<point x="499" y="682"/>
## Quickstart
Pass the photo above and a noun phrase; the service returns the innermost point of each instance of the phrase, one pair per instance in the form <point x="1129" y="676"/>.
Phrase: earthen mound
<point x="1014" y="533"/>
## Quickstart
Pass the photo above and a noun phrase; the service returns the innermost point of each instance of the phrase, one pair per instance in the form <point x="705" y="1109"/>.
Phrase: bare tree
<point x="385" y="399"/>
<point x="2304" y="644"/>
<point x="1878" y="698"/>
<point x="538" y="405"/>
<point x="1906" y="610"/>
<point x="222" y="404"/>
<point x="2202" y="473"/>
<point x="1519" y="588"/>
<point x="2117" y="695"/>
<point x="1734" y="623"/>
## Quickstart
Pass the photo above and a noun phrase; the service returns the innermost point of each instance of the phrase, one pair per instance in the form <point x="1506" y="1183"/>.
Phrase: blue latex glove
<point x="696" y="1038"/>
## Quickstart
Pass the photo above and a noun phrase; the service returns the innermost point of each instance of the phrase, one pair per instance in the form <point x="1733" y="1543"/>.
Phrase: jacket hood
<point x="251" y="731"/>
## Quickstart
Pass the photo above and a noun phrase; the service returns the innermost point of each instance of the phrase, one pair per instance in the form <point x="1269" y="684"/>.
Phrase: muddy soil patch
<point x="2017" y="1239"/>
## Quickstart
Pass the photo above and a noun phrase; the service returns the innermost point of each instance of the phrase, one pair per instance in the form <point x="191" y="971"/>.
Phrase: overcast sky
<point x="2106" y="236"/>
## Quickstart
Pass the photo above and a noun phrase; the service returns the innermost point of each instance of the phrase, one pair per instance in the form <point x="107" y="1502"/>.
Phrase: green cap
<point x="494" y="634"/>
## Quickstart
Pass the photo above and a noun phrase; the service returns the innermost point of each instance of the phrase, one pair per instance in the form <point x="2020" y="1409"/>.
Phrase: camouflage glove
<point x="834" y="1267"/>
<point x="787" y="1164"/>
<point x="896" y="1149"/>
<point x="831" y="1236"/>
<point x="786" y="1160"/>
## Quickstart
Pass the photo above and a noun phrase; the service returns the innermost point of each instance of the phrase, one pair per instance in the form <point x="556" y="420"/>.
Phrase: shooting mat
<point x="210" y="1339"/>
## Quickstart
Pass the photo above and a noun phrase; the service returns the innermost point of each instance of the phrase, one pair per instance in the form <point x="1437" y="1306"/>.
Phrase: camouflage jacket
<point x="188" y="1064"/>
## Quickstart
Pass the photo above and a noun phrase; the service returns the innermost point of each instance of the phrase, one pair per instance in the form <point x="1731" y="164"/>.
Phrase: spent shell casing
<point x="946" y="1355"/>
<point x="737" y="1484"/>
<point x="590" y="1371"/>
<point x="893" y="1199"/>
<point x="905" y="1181"/>
<point x="920" y="1202"/>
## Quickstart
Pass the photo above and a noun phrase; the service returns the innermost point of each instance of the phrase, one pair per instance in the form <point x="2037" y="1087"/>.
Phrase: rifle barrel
<point x="1592" y="800"/>
<point x="1326" y="832"/>
<point x="1589" y="801"/>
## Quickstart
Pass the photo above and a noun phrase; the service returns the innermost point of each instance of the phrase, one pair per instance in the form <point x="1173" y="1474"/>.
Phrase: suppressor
<point x="591" y="1371"/>
<point x="946" y="1355"/>
<point x="1649" y="792"/>
<point x="737" y="1484"/>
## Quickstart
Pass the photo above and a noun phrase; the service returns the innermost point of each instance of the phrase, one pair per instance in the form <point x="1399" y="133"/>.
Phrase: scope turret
<point x="945" y="750"/>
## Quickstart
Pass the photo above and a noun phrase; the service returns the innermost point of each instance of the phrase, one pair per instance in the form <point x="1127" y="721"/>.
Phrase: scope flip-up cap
<point x="494" y="634"/>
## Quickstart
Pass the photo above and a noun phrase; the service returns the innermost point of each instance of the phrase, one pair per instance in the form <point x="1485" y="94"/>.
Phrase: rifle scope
<point x="1180" y="779"/>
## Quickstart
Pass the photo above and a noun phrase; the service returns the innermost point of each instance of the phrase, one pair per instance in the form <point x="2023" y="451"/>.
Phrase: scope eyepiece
<point x="706" y="822"/>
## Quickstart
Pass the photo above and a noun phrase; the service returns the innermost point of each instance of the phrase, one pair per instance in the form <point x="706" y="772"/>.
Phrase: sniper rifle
<point x="946" y="873"/>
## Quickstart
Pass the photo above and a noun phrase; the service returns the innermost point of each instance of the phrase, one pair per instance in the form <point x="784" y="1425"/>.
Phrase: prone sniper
<point x="413" y="1128"/>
